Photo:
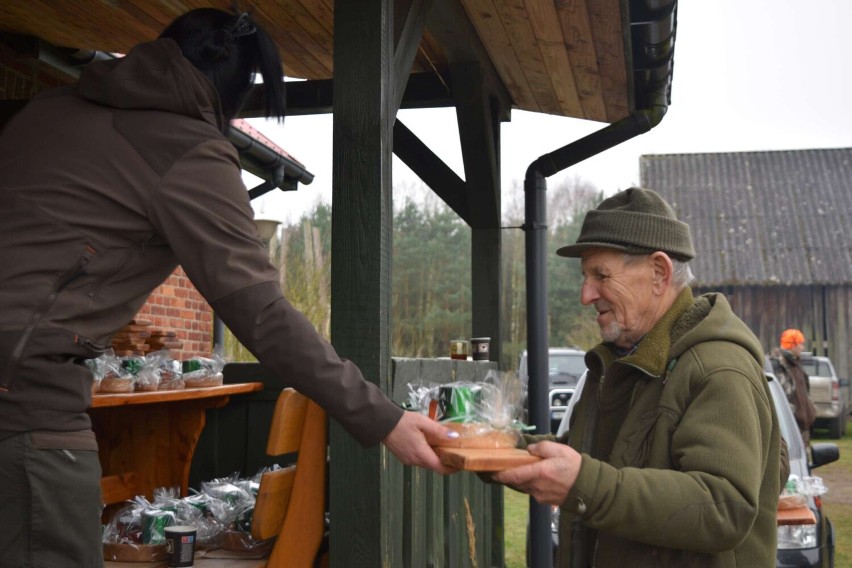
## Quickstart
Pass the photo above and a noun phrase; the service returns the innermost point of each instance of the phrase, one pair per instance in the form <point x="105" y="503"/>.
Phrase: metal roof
<point x="762" y="218"/>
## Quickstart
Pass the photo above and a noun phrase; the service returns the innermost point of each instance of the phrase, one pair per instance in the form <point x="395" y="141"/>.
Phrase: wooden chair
<point x="291" y="501"/>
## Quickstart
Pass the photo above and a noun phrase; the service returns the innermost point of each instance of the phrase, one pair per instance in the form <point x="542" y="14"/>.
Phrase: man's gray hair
<point x="682" y="275"/>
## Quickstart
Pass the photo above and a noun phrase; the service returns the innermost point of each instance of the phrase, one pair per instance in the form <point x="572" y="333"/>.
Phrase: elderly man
<point x="672" y="455"/>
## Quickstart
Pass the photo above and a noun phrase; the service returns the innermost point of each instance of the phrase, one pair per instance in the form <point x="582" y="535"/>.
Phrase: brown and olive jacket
<point x="106" y="186"/>
<point x="680" y="449"/>
<point x="794" y="379"/>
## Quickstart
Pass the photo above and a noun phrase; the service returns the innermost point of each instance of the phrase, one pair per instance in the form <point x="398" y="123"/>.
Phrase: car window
<point x="816" y="368"/>
<point x="573" y="365"/>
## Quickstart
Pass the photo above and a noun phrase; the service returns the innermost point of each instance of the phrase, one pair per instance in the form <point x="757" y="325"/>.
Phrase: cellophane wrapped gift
<point x="200" y="372"/>
<point x="798" y="489"/>
<point x="484" y="413"/>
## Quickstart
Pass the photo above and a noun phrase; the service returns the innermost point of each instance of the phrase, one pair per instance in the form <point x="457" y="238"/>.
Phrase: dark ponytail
<point x="229" y="49"/>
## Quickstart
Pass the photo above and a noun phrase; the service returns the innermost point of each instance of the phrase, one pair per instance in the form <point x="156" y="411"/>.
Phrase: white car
<point x="565" y="367"/>
<point x="828" y="393"/>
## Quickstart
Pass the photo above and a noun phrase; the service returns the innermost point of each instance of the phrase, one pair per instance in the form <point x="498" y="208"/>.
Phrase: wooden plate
<point x="477" y="459"/>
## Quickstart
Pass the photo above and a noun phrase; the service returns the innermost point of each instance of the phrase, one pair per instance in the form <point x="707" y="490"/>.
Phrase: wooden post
<point x="479" y="134"/>
<point x="365" y="519"/>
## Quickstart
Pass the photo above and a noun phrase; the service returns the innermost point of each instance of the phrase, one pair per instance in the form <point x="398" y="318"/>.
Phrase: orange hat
<point x="791" y="338"/>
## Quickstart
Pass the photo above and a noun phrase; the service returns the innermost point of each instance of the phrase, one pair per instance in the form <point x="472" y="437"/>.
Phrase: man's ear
<point x="663" y="270"/>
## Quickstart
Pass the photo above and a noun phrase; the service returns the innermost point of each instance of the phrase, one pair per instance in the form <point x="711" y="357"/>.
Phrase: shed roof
<point x="762" y="218"/>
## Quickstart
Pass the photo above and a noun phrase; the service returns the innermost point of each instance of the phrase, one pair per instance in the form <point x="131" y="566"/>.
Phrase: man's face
<point x="622" y="293"/>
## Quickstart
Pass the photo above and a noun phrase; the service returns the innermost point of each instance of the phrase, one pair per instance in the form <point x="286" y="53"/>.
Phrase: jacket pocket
<point x="21" y="339"/>
<point x="637" y="442"/>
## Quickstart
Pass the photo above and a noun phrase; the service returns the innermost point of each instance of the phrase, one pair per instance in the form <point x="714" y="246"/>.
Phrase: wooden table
<point x="146" y="439"/>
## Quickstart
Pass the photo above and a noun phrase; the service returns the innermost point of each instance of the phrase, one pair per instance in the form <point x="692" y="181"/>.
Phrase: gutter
<point x="278" y="169"/>
<point x="652" y="28"/>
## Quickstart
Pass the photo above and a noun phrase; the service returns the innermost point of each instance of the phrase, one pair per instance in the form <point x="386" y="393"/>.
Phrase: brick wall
<point x="176" y="305"/>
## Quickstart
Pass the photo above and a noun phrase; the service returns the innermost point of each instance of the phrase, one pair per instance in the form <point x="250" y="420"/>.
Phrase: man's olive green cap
<point x="635" y="220"/>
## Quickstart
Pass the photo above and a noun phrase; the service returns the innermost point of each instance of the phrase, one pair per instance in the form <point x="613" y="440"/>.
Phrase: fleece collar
<point x="652" y="353"/>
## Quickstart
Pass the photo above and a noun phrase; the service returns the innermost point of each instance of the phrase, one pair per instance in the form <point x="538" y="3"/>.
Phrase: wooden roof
<point x="590" y="59"/>
<point x="762" y="218"/>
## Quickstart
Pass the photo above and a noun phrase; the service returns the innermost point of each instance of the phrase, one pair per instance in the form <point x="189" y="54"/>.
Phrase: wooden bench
<point x="290" y="501"/>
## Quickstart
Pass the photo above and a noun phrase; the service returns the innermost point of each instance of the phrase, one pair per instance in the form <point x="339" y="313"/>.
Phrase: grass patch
<point x="837" y="503"/>
<point x="516" y="507"/>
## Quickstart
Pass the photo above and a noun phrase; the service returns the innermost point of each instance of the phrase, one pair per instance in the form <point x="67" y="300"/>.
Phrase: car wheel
<point x="837" y="427"/>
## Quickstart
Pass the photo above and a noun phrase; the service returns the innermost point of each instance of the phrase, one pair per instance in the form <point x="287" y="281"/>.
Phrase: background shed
<point x="771" y="231"/>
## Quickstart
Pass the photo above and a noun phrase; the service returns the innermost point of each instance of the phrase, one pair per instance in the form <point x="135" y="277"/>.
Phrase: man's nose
<point x="588" y="293"/>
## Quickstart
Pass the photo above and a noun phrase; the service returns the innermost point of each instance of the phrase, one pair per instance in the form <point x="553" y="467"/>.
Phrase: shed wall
<point x="822" y="313"/>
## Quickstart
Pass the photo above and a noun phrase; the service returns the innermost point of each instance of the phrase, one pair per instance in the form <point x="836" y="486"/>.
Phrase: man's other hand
<point x="547" y="481"/>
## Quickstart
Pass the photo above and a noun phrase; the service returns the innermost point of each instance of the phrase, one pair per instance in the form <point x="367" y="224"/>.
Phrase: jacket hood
<point x="710" y="318"/>
<point x="153" y="76"/>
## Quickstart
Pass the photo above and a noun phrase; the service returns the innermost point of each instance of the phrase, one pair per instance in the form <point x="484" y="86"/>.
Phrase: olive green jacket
<point x="693" y="475"/>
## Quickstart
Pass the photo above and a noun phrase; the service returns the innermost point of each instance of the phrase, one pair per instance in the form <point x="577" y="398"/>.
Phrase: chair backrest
<point x="291" y="501"/>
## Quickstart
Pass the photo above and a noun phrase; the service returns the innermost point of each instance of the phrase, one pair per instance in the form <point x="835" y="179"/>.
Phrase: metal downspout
<point x="535" y="227"/>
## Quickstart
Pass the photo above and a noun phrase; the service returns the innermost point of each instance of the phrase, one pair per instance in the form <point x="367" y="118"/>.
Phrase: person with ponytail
<point x="107" y="186"/>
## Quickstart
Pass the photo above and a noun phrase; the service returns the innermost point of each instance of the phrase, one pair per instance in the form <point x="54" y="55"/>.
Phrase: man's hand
<point x="547" y="481"/>
<point x="407" y="441"/>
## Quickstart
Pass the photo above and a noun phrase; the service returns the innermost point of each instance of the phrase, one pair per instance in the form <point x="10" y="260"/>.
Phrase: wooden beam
<point x="368" y="520"/>
<point x="479" y="133"/>
<point x="423" y="90"/>
<point x="431" y="169"/>
<point x="406" y="47"/>
<point x="450" y="25"/>
<point x="478" y="145"/>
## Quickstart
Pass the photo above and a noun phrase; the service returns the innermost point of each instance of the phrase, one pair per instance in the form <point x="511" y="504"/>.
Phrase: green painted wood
<point x="436" y="530"/>
<point x="479" y="135"/>
<point x="412" y="16"/>
<point x="364" y="492"/>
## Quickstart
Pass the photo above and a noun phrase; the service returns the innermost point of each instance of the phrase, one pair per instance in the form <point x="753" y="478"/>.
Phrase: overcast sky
<point x="748" y="75"/>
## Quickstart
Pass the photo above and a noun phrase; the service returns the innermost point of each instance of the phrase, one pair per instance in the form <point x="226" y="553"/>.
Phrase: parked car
<point x="829" y="393"/>
<point x="803" y="545"/>
<point x="799" y="546"/>
<point x="564" y="368"/>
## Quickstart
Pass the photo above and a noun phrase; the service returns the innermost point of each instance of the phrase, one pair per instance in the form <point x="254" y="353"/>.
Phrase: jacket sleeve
<point x="202" y="209"/>
<point x="707" y="499"/>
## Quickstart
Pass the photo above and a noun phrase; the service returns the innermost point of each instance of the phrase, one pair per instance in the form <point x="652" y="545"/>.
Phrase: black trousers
<point x="50" y="500"/>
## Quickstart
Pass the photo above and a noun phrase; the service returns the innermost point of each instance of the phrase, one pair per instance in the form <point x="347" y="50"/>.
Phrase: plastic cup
<point x="180" y="544"/>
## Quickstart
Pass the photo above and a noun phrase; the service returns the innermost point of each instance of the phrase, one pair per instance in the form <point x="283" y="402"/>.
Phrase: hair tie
<point x="243" y="26"/>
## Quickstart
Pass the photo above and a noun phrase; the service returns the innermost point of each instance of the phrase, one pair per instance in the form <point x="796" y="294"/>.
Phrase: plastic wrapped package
<point x="97" y="366"/>
<point x="798" y="489"/>
<point x="159" y="372"/>
<point x="484" y="413"/>
<point x="111" y="375"/>
<point x="135" y="533"/>
<point x="201" y="372"/>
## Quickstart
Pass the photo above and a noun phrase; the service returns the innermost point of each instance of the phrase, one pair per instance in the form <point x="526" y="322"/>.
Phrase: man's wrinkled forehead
<point x="600" y="260"/>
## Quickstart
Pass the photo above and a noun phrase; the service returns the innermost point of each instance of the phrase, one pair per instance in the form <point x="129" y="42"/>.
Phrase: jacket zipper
<point x="64" y="280"/>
